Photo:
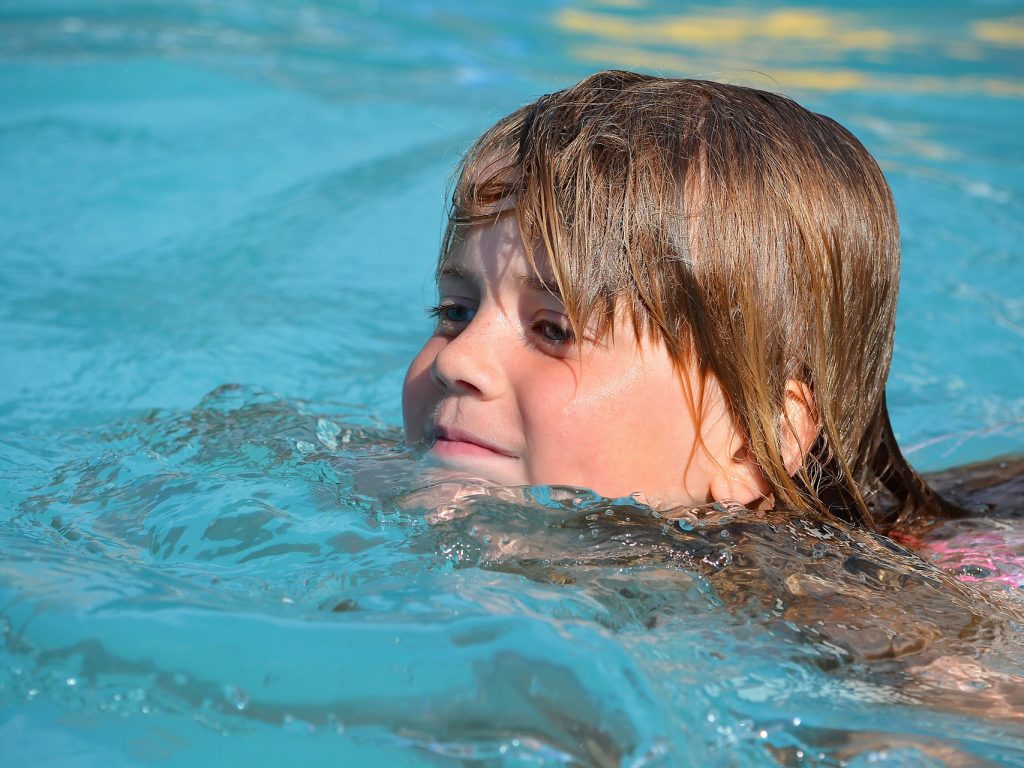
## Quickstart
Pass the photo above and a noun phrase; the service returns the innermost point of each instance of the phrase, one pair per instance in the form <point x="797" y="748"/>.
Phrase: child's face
<point x="501" y="391"/>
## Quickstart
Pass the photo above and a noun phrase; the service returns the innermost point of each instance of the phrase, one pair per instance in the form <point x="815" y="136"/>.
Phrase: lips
<point x="458" y="443"/>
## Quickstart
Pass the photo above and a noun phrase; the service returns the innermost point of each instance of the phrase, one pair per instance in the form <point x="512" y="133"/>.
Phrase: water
<point x="218" y="225"/>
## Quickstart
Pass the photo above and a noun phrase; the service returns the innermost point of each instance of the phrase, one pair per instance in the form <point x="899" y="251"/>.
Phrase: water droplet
<point x="72" y="682"/>
<point x="295" y="725"/>
<point x="236" y="697"/>
<point x="973" y="571"/>
<point x="797" y="721"/>
<point x="763" y="733"/>
<point x="334" y="722"/>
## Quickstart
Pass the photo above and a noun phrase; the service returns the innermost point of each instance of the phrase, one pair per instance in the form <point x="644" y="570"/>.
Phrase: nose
<point x="470" y="363"/>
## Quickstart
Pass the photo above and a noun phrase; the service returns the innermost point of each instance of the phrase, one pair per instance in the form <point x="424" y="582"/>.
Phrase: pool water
<point x="217" y="229"/>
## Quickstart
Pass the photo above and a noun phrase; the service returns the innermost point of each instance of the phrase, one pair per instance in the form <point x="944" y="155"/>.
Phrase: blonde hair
<point x="755" y="238"/>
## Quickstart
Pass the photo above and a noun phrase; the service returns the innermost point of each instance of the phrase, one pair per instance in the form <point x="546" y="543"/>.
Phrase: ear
<point x="800" y="425"/>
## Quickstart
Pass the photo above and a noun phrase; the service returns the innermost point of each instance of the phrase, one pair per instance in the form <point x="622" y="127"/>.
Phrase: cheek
<point x="419" y="394"/>
<point x="618" y="433"/>
<point x="576" y="424"/>
<point x="605" y="405"/>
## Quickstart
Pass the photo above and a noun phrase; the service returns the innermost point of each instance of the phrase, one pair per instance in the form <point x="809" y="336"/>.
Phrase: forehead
<point x="494" y="250"/>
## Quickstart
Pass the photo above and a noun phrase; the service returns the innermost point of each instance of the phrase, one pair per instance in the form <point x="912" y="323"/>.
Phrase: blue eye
<point x="451" y="313"/>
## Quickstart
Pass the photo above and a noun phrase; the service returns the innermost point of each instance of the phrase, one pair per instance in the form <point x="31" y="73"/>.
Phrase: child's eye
<point x="450" y="313"/>
<point x="554" y="333"/>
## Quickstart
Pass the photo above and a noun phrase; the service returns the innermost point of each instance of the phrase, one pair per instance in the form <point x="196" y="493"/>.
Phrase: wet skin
<point x="503" y="391"/>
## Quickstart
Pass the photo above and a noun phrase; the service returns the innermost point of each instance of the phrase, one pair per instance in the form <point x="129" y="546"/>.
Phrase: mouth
<point x="453" y="443"/>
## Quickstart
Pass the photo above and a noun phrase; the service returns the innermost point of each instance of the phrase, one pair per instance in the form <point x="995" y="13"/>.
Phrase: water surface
<point x="218" y="228"/>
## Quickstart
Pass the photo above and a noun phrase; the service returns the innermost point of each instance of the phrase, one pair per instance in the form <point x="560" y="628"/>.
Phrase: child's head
<point x="676" y="288"/>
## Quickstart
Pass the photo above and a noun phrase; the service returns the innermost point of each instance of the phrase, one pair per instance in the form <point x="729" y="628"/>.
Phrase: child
<point x="674" y="289"/>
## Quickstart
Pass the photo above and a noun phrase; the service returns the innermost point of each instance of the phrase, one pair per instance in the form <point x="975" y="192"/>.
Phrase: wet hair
<point x="756" y="239"/>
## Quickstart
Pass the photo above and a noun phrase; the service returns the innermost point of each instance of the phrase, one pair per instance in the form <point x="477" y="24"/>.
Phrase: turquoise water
<point x="217" y="228"/>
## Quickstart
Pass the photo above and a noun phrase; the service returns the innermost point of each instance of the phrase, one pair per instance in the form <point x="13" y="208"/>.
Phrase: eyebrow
<point x="531" y="281"/>
<point x="454" y="271"/>
<point x="535" y="282"/>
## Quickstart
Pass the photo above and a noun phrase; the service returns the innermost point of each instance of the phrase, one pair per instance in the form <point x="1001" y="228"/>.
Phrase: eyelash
<point x="543" y="328"/>
<point x="438" y="312"/>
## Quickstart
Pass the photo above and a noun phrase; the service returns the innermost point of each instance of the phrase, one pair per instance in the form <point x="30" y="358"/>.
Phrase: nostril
<point x="453" y="384"/>
<point x="452" y="371"/>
